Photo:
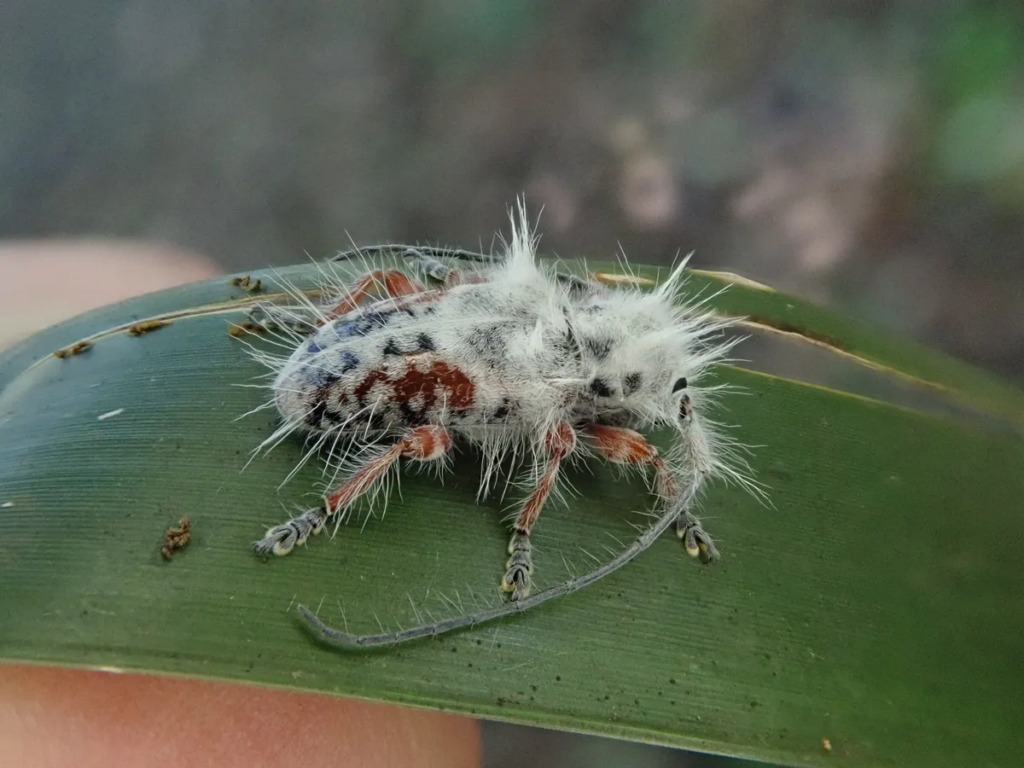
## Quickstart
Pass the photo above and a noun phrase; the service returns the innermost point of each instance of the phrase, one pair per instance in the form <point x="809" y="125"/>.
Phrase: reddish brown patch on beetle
<point x="622" y="446"/>
<point x="561" y="440"/>
<point x="422" y="375"/>
<point x="426" y="443"/>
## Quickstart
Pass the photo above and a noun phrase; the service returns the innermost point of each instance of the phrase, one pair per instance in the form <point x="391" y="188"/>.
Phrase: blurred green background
<point x="865" y="154"/>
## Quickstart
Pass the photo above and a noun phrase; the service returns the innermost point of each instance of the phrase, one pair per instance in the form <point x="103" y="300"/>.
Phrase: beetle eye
<point x="680" y="384"/>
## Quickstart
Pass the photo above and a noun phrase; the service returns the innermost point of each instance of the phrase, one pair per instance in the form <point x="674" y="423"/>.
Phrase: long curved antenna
<point x="350" y="641"/>
<point x="396" y="249"/>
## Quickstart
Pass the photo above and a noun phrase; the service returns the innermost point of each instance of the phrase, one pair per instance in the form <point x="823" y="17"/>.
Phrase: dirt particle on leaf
<point x="241" y="329"/>
<point x="176" y="537"/>
<point x="144" y="327"/>
<point x="75" y="349"/>
<point x="246" y="283"/>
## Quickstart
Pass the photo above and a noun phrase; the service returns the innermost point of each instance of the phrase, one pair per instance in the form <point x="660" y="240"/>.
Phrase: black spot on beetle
<point x="316" y="414"/>
<point x="424" y="343"/>
<point x="600" y="388"/>
<point x="376" y="421"/>
<point x="571" y="344"/>
<point x="631" y="383"/>
<point x="333" y="416"/>
<point x="349" y="361"/>
<point x="320" y="377"/>
<point x="598" y="348"/>
<point x="487" y="342"/>
<point x="411" y="416"/>
<point x="567" y="347"/>
<point x="503" y="410"/>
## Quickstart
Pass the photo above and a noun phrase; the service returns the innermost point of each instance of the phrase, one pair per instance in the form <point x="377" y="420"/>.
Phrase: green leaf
<point x="877" y="605"/>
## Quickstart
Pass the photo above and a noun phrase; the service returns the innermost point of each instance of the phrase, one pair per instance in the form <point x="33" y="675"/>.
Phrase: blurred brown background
<point x="865" y="154"/>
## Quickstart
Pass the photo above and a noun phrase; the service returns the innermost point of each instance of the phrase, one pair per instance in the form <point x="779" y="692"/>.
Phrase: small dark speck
<point x="672" y="702"/>
<point x="753" y="703"/>
<point x="470" y="665"/>
<point x="558" y="678"/>
<point x="637" y="702"/>
<point x="600" y="388"/>
<point x="424" y="343"/>
<point x="533" y="688"/>
<point x="672" y="680"/>
<point x="454" y="649"/>
<point x="599" y="348"/>
<point x="631" y="383"/>
<point x="501" y="701"/>
<point x="479" y="642"/>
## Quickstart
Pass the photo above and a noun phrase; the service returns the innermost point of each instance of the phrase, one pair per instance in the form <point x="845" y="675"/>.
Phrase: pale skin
<point x="57" y="717"/>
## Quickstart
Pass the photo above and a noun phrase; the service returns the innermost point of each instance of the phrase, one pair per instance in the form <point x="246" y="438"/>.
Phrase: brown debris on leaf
<point x="75" y="349"/>
<point x="247" y="284"/>
<point x="241" y="329"/>
<point x="176" y="537"/>
<point x="146" y="326"/>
